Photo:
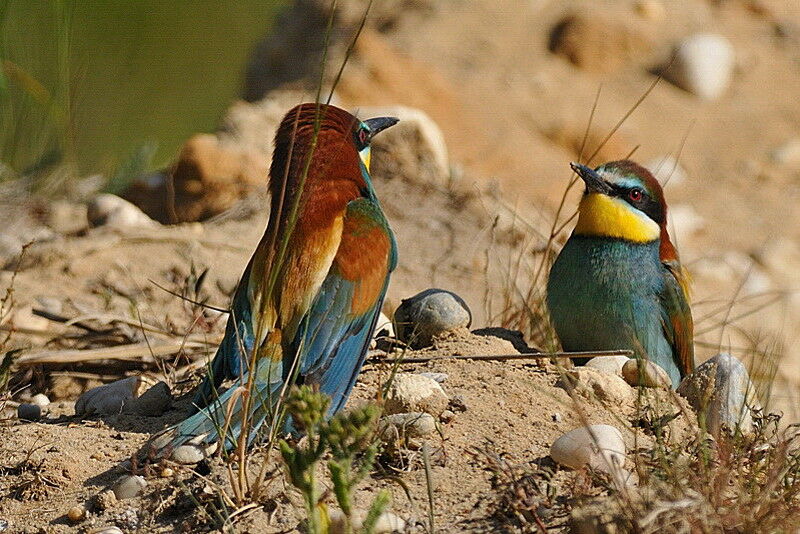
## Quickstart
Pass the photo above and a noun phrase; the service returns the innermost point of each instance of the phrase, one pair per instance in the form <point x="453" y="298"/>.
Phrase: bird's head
<point x="622" y="200"/>
<point x="340" y="144"/>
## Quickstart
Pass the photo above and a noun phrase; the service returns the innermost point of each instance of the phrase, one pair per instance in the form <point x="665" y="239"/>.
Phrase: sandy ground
<point x="513" y="116"/>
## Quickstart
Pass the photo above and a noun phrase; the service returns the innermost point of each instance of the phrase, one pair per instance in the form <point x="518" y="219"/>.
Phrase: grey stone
<point x="434" y="311"/>
<point x="721" y="392"/>
<point x="408" y="425"/>
<point x="29" y="412"/>
<point x="152" y="403"/>
<point x="128" y="487"/>
<point x="107" y="399"/>
<point x="439" y="377"/>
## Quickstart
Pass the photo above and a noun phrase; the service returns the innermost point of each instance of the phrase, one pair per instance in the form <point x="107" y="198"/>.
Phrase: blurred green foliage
<point x="92" y="85"/>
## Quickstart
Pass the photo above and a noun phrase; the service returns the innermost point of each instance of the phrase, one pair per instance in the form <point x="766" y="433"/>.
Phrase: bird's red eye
<point x="635" y="195"/>
<point x="362" y="136"/>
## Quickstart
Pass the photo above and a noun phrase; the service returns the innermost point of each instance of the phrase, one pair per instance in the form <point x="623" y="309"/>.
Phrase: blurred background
<point x="173" y="107"/>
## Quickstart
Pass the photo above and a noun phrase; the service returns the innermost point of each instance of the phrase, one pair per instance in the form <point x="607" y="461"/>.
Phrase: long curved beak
<point x="378" y="124"/>
<point x="594" y="183"/>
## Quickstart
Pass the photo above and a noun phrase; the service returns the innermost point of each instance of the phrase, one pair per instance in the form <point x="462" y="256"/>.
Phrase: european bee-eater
<point x="618" y="283"/>
<point x="307" y="303"/>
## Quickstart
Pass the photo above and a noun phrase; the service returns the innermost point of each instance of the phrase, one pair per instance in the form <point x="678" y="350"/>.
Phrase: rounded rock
<point x="188" y="454"/>
<point x="152" y="403"/>
<point x="29" y="412"/>
<point x="703" y="65"/>
<point x="128" y="487"/>
<point x="644" y="373"/>
<point x="40" y="399"/>
<point x="593" y="384"/>
<point x="115" y="212"/>
<point x="409" y="425"/>
<point x="599" y="446"/>
<point x="721" y="392"/>
<point x="429" y="313"/>
<point x="106" y="530"/>
<point x="107" y="399"/>
<point x="76" y="514"/>
<point x="386" y="524"/>
<point x="608" y="364"/>
<point x="415" y="393"/>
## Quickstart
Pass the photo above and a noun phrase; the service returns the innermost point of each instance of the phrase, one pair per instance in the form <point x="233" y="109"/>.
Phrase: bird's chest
<point x="604" y="291"/>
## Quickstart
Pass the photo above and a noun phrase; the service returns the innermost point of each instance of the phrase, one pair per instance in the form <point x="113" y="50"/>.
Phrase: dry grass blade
<point x="135" y="351"/>
<point x="506" y="357"/>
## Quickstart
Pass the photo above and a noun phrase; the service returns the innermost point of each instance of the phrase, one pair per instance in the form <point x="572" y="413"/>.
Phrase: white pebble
<point x="386" y="523"/>
<point x="110" y="210"/>
<point x="40" y="399"/>
<point x="703" y="65"/>
<point x="608" y="364"/>
<point x="415" y="393"/>
<point x="600" y="446"/>
<point x="647" y="374"/>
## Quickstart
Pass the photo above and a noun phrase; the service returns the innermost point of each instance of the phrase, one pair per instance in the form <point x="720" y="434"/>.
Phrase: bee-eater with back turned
<point x="618" y="282"/>
<point x="307" y="303"/>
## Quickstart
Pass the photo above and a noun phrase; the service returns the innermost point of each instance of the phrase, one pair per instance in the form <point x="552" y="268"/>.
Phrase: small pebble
<point x="600" y="446"/>
<point x="439" y="377"/>
<point x="40" y="399"/>
<point x="427" y="314"/>
<point x="386" y="523"/>
<point x="447" y="416"/>
<point x="608" y="364"/>
<point x="787" y="154"/>
<point x="29" y="412"/>
<point x="104" y="500"/>
<point x="408" y="425"/>
<point x="188" y="454"/>
<point x="647" y="374"/>
<point x="415" y="393"/>
<point x="107" y="399"/>
<point x="112" y="211"/>
<point x="106" y="530"/>
<point x="76" y="513"/>
<point x="557" y="417"/>
<point x="703" y="65"/>
<point x="152" y="403"/>
<point x="128" y="487"/>
<point x="167" y="472"/>
<point x="458" y="403"/>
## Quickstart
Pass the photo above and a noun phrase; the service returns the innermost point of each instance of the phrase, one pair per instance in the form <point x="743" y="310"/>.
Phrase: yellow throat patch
<point x="604" y="216"/>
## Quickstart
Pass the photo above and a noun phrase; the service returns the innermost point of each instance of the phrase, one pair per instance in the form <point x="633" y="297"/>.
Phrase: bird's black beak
<point x="378" y="124"/>
<point x="594" y="183"/>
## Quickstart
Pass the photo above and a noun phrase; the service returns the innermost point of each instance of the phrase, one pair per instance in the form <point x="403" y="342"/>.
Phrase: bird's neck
<point x="604" y="216"/>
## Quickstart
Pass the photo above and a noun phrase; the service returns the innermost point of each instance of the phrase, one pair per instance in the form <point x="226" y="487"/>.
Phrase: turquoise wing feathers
<point x="328" y="349"/>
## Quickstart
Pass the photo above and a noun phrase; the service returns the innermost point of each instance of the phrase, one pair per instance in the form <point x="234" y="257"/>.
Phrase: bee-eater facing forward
<point x="309" y="298"/>
<point x="618" y="283"/>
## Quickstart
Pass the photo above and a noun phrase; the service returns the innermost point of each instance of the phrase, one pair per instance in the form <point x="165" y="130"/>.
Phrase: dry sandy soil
<point x="513" y="115"/>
